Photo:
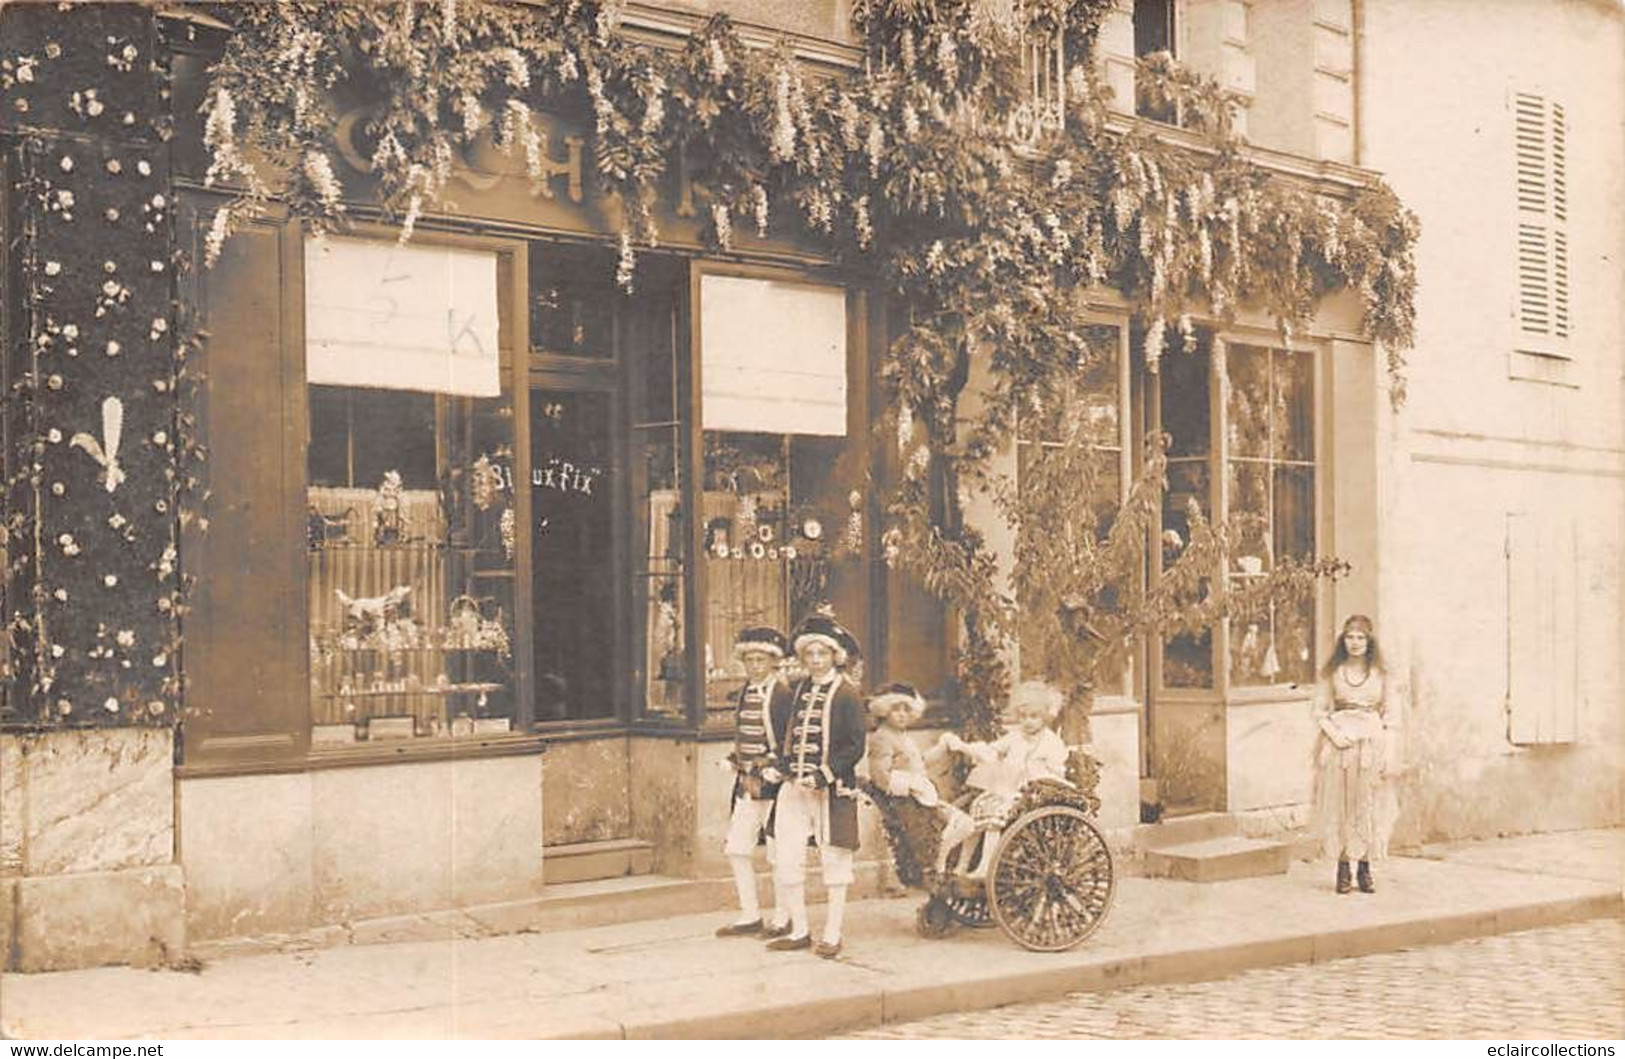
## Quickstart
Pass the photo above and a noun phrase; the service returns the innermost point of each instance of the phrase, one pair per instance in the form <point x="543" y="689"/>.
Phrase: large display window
<point x="1241" y="425"/>
<point x="410" y="521"/>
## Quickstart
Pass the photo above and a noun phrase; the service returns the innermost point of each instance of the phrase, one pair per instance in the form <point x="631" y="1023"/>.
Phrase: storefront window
<point x="660" y="538"/>
<point x="1269" y="429"/>
<point x="1090" y="404"/>
<point x="410" y="494"/>
<point x="782" y="517"/>
<point x="1187" y="659"/>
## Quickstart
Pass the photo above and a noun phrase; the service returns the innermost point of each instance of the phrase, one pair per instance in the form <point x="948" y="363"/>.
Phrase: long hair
<point x="1340" y="653"/>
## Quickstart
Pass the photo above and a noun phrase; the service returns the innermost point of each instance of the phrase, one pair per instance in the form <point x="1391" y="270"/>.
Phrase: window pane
<point x="572" y="554"/>
<point x="1185" y="414"/>
<point x="393" y="431"/>
<point x="1295" y="511"/>
<point x="1272" y="511"/>
<point x="1295" y="640"/>
<point x="329" y="451"/>
<point x="1294" y="434"/>
<point x="572" y="301"/>
<point x="1153" y="26"/>
<point x="1187" y="660"/>
<point x="1249" y="406"/>
<point x="411" y="570"/>
<point x="779" y="539"/>
<point x="659" y="546"/>
<point x="1250" y="516"/>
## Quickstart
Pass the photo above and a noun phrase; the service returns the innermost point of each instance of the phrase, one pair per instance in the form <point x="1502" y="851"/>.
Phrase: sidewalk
<point x="671" y="978"/>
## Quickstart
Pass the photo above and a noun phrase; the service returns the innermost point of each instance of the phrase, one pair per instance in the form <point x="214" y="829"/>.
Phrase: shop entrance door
<point x="575" y="572"/>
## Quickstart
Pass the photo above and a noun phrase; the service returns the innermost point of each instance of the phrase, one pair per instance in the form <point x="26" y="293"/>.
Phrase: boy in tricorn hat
<point x="760" y="649"/>
<point x="821" y="734"/>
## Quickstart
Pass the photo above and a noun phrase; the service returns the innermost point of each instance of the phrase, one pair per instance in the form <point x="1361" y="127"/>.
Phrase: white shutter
<point x="1543" y="662"/>
<point x="1540" y="150"/>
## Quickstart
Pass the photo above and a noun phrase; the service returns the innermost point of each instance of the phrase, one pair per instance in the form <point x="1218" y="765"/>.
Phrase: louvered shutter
<point x="1543" y="613"/>
<point x="1541" y="149"/>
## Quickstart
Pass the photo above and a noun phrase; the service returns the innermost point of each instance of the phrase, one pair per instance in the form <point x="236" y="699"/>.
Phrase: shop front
<point x="483" y="525"/>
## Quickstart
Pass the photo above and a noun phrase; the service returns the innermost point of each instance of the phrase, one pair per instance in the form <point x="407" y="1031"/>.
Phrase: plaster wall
<point x="1477" y="442"/>
<point x="584" y="791"/>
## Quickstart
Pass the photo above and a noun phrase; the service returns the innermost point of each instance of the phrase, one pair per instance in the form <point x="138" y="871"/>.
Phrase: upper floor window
<point x="1154" y="31"/>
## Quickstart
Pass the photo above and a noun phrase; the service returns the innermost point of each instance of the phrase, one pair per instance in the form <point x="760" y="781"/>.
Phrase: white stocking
<point x="958" y="828"/>
<point x="792" y="898"/>
<point x="835" y="914"/>
<point x="745" y="884"/>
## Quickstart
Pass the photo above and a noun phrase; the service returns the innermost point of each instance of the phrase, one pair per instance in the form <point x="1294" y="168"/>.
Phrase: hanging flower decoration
<point x="923" y="169"/>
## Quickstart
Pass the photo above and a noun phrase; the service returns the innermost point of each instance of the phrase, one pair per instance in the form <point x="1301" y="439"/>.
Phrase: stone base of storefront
<point x="287" y="852"/>
<point x="87" y="850"/>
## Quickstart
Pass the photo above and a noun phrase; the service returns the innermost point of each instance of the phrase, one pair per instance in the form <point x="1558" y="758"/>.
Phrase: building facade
<point x="483" y="526"/>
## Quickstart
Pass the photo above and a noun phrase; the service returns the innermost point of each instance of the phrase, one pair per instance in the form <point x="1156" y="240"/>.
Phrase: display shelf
<point x="433" y="690"/>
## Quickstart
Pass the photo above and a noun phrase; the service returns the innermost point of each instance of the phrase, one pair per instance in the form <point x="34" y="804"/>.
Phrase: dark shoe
<point x="1343" y="886"/>
<point x="780" y="931"/>
<point x="791" y="944"/>
<point x="1364" y="877"/>
<point x="828" y="951"/>
<point x="740" y="930"/>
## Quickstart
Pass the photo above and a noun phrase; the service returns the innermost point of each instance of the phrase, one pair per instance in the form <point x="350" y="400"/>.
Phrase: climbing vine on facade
<point x="980" y="211"/>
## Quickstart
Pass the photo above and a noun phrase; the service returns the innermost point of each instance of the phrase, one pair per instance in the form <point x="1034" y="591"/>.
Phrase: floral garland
<point x="99" y="455"/>
<point x="923" y="168"/>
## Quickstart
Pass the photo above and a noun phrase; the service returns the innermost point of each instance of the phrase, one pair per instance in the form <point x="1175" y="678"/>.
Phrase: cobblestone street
<point x="1556" y="983"/>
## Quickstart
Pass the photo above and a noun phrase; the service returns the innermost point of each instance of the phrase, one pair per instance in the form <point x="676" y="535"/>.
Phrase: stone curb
<point x="866" y="1008"/>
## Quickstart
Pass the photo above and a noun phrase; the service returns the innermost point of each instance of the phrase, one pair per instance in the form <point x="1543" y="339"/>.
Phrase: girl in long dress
<point x="1355" y="803"/>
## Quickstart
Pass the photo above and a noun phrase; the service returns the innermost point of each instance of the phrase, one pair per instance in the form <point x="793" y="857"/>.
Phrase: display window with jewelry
<point x="410" y="517"/>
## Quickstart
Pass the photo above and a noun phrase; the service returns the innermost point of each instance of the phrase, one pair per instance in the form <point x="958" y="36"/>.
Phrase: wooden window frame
<point x="859" y="398"/>
<point x="1218" y="459"/>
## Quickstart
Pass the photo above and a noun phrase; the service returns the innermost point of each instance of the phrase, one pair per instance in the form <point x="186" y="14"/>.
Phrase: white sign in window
<point x="393" y="317"/>
<point x="773" y="356"/>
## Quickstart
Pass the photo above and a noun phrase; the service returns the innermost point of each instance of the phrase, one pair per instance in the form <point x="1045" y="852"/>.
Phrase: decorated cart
<point x="1043" y="873"/>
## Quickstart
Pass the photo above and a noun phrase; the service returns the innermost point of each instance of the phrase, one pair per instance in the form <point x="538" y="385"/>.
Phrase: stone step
<point x="1179" y="830"/>
<point x="587" y="861"/>
<point x="1217" y="859"/>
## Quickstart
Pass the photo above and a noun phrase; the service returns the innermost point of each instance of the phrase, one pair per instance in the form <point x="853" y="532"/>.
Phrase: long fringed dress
<point x="1355" y="802"/>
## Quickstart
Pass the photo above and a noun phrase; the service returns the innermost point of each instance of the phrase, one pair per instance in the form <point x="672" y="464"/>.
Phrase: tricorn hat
<point x="896" y="697"/>
<point x="760" y="638"/>
<point x="824" y="629"/>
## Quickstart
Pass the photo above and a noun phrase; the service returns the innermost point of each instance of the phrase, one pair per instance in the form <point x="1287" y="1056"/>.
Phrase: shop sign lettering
<point x="475" y="165"/>
<point x="565" y="476"/>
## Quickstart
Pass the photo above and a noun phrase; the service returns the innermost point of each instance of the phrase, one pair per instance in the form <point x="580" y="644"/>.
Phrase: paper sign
<point x="393" y="317"/>
<point x="773" y="356"/>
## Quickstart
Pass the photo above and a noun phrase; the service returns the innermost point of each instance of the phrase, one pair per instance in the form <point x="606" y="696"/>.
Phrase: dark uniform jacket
<point x="821" y="737"/>
<point x="755" y="740"/>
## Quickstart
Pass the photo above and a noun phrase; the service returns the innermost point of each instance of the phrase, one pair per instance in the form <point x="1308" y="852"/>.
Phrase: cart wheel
<point x="1051" y="881"/>
<point x="933" y="919"/>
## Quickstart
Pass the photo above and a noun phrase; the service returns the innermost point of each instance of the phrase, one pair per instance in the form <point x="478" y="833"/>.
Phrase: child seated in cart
<point x="1029" y="750"/>
<point x="898" y="768"/>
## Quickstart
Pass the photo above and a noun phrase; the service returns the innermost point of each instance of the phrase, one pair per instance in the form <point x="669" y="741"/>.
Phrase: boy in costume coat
<point x="821" y="734"/>
<point x="760" y="649"/>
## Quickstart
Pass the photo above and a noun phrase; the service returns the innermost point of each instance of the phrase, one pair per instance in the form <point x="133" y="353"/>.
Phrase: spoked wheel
<point x="1051" y="881"/>
<point x="967" y="898"/>
<point x="934" y="918"/>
